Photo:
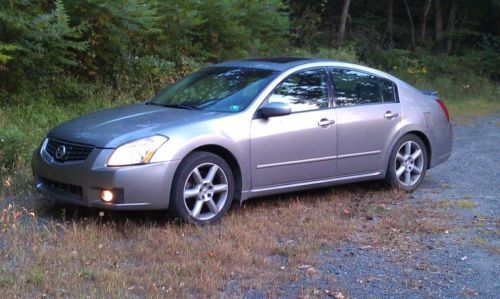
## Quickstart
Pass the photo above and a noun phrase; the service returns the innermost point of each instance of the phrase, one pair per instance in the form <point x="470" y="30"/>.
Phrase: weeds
<point x="260" y="245"/>
<point x="464" y="203"/>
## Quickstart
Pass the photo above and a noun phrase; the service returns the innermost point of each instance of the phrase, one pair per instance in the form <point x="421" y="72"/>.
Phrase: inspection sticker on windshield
<point x="235" y="107"/>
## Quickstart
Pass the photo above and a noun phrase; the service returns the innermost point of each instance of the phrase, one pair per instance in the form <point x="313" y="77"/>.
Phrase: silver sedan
<point x="243" y="129"/>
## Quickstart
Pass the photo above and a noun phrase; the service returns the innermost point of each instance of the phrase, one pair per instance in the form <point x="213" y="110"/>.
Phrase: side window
<point x="388" y="91"/>
<point x="303" y="91"/>
<point x="358" y="88"/>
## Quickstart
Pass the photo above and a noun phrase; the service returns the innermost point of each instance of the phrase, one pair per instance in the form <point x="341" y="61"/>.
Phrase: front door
<point x="301" y="146"/>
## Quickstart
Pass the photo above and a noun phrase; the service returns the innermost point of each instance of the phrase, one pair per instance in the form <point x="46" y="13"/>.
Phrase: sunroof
<point x="278" y="59"/>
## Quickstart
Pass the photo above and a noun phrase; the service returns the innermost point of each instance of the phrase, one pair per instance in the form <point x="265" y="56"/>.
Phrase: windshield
<point x="224" y="89"/>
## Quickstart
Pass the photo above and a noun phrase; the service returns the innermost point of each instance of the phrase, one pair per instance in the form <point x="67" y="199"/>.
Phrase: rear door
<point x="368" y="112"/>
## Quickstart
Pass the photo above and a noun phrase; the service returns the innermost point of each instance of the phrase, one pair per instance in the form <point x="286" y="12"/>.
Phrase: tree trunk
<point x="450" y="27"/>
<point x="412" y="25"/>
<point x="390" y="23"/>
<point x="343" y="19"/>
<point x="461" y="28"/>
<point x="423" y="27"/>
<point x="438" y="22"/>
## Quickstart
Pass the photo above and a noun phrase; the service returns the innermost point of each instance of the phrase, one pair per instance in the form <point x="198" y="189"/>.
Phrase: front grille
<point x="72" y="151"/>
<point x="58" y="186"/>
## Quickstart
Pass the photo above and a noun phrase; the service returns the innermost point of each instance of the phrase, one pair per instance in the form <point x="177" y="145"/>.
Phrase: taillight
<point x="443" y="107"/>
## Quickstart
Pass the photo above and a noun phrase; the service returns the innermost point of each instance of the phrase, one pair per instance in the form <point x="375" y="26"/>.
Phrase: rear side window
<point x="358" y="88"/>
<point x="388" y="89"/>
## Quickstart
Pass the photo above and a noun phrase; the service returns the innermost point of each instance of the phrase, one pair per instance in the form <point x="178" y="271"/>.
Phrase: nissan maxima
<point x="243" y="129"/>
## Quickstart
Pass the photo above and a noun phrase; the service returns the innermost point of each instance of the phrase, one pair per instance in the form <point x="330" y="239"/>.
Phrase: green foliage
<point x="12" y="147"/>
<point x="4" y="57"/>
<point x="345" y="54"/>
<point x="412" y="64"/>
<point x="134" y="45"/>
<point x="40" y="36"/>
<point x="118" y="32"/>
<point x="216" y="30"/>
<point x="26" y="117"/>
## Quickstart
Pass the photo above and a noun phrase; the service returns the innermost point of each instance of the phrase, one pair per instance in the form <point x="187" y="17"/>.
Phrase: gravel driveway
<point x="461" y="262"/>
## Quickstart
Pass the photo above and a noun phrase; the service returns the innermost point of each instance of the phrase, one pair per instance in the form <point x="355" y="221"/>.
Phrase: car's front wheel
<point x="408" y="163"/>
<point x="203" y="188"/>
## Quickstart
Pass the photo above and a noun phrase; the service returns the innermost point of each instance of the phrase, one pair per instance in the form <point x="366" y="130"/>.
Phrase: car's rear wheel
<point x="203" y="188"/>
<point x="408" y="163"/>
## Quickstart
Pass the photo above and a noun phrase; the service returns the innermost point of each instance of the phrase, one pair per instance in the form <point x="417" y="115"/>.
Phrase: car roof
<point x="274" y="63"/>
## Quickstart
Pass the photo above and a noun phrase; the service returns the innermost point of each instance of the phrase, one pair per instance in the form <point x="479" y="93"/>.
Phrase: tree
<point x="438" y="23"/>
<point x="412" y="26"/>
<point x="37" y="33"/>
<point x="390" y="23"/>
<point x="343" y="19"/>
<point x="425" y="14"/>
<point x="450" y="27"/>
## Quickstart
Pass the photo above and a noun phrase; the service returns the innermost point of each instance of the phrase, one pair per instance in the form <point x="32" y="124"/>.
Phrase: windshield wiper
<point x="174" y="106"/>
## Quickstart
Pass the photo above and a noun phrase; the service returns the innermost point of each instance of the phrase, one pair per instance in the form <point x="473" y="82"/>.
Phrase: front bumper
<point x="141" y="187"/>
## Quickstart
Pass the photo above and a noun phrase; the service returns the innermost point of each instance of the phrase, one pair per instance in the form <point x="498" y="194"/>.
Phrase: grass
<point x="262" y="245"/>
<point x="464" y="203"/>
<point x="465" y="99"/>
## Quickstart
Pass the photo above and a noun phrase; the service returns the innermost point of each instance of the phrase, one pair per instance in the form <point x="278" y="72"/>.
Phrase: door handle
<point x="324" y="122"/>
<point x="391" y="115"/>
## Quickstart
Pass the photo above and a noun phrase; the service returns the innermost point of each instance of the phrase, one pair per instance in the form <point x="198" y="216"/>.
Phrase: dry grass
<point x="260" y="245"/>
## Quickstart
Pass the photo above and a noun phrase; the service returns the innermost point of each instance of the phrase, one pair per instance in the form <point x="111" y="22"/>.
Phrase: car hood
<point x="112" y="127"/>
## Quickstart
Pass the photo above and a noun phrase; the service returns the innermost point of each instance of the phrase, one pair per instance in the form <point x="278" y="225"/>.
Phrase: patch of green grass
<point x="473" y="97"/>
<point x="88" y="274"/>
<point x="27" y="118"/>
<point x="379" y="210"/>
<point x="35" y="275"/>
<point x="6" y="279"/>
<point x="465" y="204"/>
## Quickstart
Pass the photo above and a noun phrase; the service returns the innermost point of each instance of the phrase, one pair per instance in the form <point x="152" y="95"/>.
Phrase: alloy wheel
<point x="205" y="191"/>
<point x="409" y="163"/>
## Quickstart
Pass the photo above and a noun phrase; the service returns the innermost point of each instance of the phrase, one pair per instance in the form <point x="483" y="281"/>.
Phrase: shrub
<point x="13" y="147"/>
<point x="345" y="54"/>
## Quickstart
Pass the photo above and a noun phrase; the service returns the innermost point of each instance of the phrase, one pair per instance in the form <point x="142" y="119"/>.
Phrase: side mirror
<point x="275" y="109"/>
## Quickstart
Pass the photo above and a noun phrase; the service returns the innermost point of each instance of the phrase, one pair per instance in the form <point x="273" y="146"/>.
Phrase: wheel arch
<point x="230" y="159"/>
<point x="427" y="144"/>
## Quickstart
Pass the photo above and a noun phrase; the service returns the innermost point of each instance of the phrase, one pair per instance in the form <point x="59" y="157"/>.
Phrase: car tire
<point x="407" y="163"/>
<point x="202" y="189"/>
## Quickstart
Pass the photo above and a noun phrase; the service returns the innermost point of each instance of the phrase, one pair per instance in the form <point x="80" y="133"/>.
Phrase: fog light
<point x="107" y="195"/>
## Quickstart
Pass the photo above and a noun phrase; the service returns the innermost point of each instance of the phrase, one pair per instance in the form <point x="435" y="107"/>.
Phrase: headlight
<point x="136" y="152"/>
